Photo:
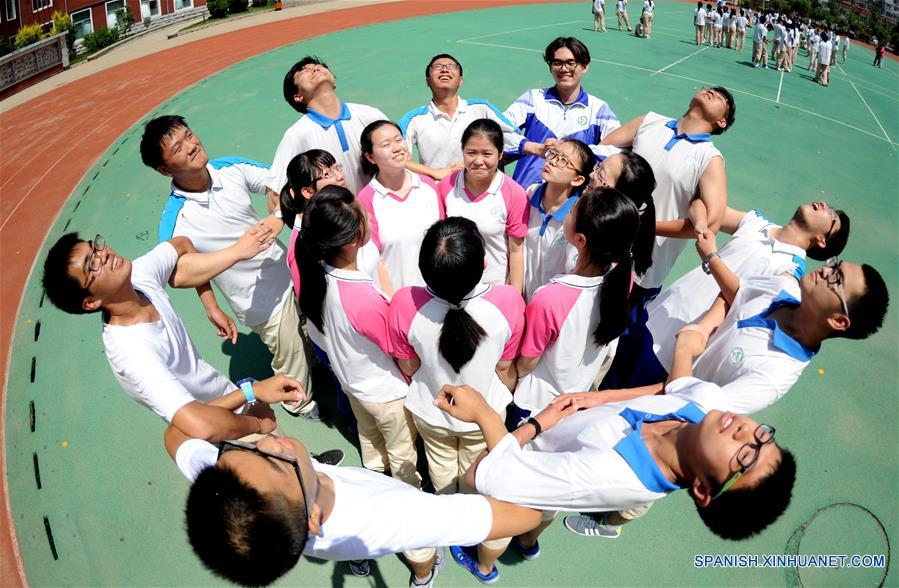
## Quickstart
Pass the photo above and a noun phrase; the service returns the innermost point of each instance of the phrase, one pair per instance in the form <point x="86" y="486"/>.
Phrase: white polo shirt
<point x="699" y="17"/>
<point x="560" y="322"/>
<point x="500" y="212"/>
<point x="339" y="137"/>
<point x="749" y="356"/>
<point x="741" y="23"/>
<point x="621" y="6"/>
<point x="539" y="114"/>
<point x="678" y="161"/>
<point x="598" y="6"/>
<point x="355" y="337"/>
<point x="439" y="137"/>
<point x="415" y="320"/>
<point x="824" y="51"/>
<point x="546" y="251"/>
<point x="761" y="33"/>
<point x="648" y="6"/>
<point x="595" y="460"/>
<point x="254" y="288"/>
<point x="374" y="515"/>
<point x="398" y="225"/>
<point x="367" y="260"/>
<point x="751" y="251"/>
<point x="156" y="363"/>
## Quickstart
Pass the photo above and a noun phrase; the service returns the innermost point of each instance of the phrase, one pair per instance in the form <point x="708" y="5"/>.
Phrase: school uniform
<point x="648" y="8"/>
<point x="546" y="251"/>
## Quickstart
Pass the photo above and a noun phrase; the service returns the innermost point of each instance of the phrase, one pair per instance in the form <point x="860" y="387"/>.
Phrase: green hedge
<point x="99" y="39"/>
<point x="27" y="35"/>
<point x="238" y="6"/>
<point x="217" y="8"/>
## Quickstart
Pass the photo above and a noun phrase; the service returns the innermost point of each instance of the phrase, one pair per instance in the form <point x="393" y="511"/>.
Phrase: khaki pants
<point x="627" y="21"/>
<point x="283" y="335"/>
<point x="449" y="454"/>
<point x="823" y="74"/>
<point x="647" y="22"/>
<point x="699" y="31"/>
<point x="387" y="438"/>
<point x="758" y="51"/>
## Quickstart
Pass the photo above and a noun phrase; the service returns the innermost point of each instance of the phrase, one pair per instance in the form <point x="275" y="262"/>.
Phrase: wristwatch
<point x="708" y="260"/>
<point x="246" y="386"/>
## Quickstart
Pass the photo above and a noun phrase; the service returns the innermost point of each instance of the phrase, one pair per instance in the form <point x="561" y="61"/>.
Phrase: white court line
<point x="704" y="83"/>
<point x="502" y="46"/>
<point x="658" y="71"/>
<point x="556" y="24"/>
<point x="779" y="85"/>
<point x="865" y="102"/>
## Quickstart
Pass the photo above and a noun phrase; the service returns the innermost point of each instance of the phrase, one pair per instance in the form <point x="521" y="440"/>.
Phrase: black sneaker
<point x="332" y="457"/>
<point x="359" y="567"/>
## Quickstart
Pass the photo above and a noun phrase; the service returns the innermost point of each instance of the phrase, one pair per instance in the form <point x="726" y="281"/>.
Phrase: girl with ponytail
<point x="347" y="318"/>
<point x="573" y="319"/>
<point x="457" y="330"/>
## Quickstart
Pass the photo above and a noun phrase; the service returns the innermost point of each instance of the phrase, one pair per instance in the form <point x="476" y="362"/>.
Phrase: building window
<point x="182" y="4"/>
<point x="37" y="5"/>
<point x="111" y="9"/>
<point x="82" y="23"/>
<point x="11" y="9"/>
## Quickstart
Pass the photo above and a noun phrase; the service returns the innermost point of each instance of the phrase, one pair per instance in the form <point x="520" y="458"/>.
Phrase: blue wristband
<point x="246" y="386"/>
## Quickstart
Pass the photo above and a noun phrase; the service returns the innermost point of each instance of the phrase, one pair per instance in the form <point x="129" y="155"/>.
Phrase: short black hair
<point x="442" y="56"/>
<point x="866" y="312"/>
<point x="240" y="534"/>
<point x="741" y="513"/>
<point x="64" y="291"/>
<point x="731" y="116"/>
<point x="290" y="87"/>
<point x="834" y="245"/>
<point x="577" y="48"/>
<point x="155" y="132"/>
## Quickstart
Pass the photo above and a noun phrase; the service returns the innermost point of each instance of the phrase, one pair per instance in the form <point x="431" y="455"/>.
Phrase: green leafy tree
<point x="28" y="34"/>
<point x="62" y="23"/>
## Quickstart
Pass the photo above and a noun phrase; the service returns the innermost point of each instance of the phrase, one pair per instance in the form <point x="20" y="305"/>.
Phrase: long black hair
<point x="610" y="222"/>
<point x="303" y="171"/>
<point x="637" y="182"/>
<point x="333" y="219"/>
<point x="451" y="261"/>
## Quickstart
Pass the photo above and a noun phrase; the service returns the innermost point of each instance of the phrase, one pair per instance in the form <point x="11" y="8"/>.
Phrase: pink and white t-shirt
<point x="500" y="212"/>
<point x="367" y="259"/>
<point x="560" y="320"/>
<point x="415" y="320"/>
<point x="356" y="339"/>
<point x="546" y="251"/>
<point x="398" y="225"/>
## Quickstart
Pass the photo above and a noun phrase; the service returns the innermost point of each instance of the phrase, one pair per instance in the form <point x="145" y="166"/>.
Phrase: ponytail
<point x="451" y="261"/>
<point x="613" y="303"/>
<point x="638" y="182"/>
<point x="333" y="219"/>
<point x="303" y="171"/>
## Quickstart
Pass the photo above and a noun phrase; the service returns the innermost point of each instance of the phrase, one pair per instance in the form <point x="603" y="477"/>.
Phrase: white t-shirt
<point x="560" y="322"/>
<point x="355" y="337"/>
<point x="621" y="6"/>
<point x="398" y="225"/>
<point x="254" y="288"/>
<point x="761" y="33"/>
<point x="824" y="51"/>
<point x="439" y="137"/>
<point x="156" y="363"/>
<point x="598" y="6"/>
<point x="749" y="356"/>
<point x="699" y="17"/>
<point x="339" y="137"/>
<point x="648" y="6"/>
<point x="500" y="212"/>
<point x="749" y="252"/>
<point x="741" y="23"/>
<point x="678" y="164"/>
<point x="594" y="460"/>
<point x="374" y="515"/>
<point x="415" y="320"/>
<point x="546" y="251"/>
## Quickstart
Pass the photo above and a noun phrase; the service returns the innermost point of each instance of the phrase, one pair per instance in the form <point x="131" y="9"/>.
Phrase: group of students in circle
<point x="447" y="299"/>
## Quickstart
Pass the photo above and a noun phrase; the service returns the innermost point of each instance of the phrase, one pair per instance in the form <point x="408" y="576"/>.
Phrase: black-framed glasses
<point x="556" y="159"/>
<point x="833" y="221"/>
<point x="748" y="455"/>
<point x="95" y="259"/>
<point x="836" y="279"/>
<point x="558" y="64"/>
<point x="234" y="445"/>
<point x="444" y="67"/>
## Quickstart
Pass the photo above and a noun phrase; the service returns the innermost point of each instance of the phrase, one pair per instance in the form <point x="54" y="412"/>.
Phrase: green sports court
<point x="87" y="467"/>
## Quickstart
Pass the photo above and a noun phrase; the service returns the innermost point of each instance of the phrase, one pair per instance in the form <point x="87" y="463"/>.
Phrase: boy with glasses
<point x="544" y="116"/>
<point x="436" y="128"/>
<point x="211" y="204"/>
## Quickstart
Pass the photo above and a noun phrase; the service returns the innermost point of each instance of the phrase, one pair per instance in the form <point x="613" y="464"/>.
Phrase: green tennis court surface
<point x="113" y="501"/>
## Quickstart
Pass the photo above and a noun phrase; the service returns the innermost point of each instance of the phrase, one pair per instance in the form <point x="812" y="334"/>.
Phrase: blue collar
<point x="781" y="340"/>
<point x="691" y="137"/>
<point x="634" y="451"/>
<point x="552" y="94"/>
<point x="560" y="213"/>
<point x="326" y="122"/>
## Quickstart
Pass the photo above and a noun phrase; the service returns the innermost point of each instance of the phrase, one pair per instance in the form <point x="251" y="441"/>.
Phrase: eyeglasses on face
<point x="95" y="259"/>
<point x="444" y="67"/>
<point x="331" y="172"/>
<point x="748" y="455"/>
<point x="556" y="159"/>
<point x="836" y="279"/>
<point x="558" y="64"/>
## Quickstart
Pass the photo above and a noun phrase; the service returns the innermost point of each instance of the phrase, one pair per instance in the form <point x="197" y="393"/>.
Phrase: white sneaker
<point x="439" y="561"/>
<point x="588" y="526"/>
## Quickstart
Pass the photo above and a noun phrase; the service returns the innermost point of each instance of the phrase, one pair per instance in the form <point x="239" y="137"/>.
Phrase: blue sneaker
<point x="470" y="563"/>
<point x="527" y="553"/>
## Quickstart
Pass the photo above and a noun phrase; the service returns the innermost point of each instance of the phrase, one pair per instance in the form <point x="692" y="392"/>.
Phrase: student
<point x="599" y="15"/>
<point x="648" y="8"/>
<point x="458" y="329"/>
<point x="400" y="204"/>
<point x="814" y="42"/>
<point x="491" y="199"/>
<point x="759" y="40"/>
<point x="289" y="505"/>
<point x="436" y="128"/>
<point x="758" y="247"/>
<point x="845" y="47"/>
<point x="688" y="170"/>
<point x="147" y="346"/>
<point x="822" y="75"/>
<point x="731" y="27"/>
<point x="699" y="22"/>
<point x="564" y="111"/>
<point x="741" y="22"/>
<point x="709" y="18"/>
<point x="572" y="320"/>
<point x="348" y="320"/>
<point x="621" y="10"/>
<point x="211" y="204"/>
<point x="547" y="253"/>
<point x="718" y="25"/>
<point x="879" y="52"/>
<point x="329" y="124"/>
